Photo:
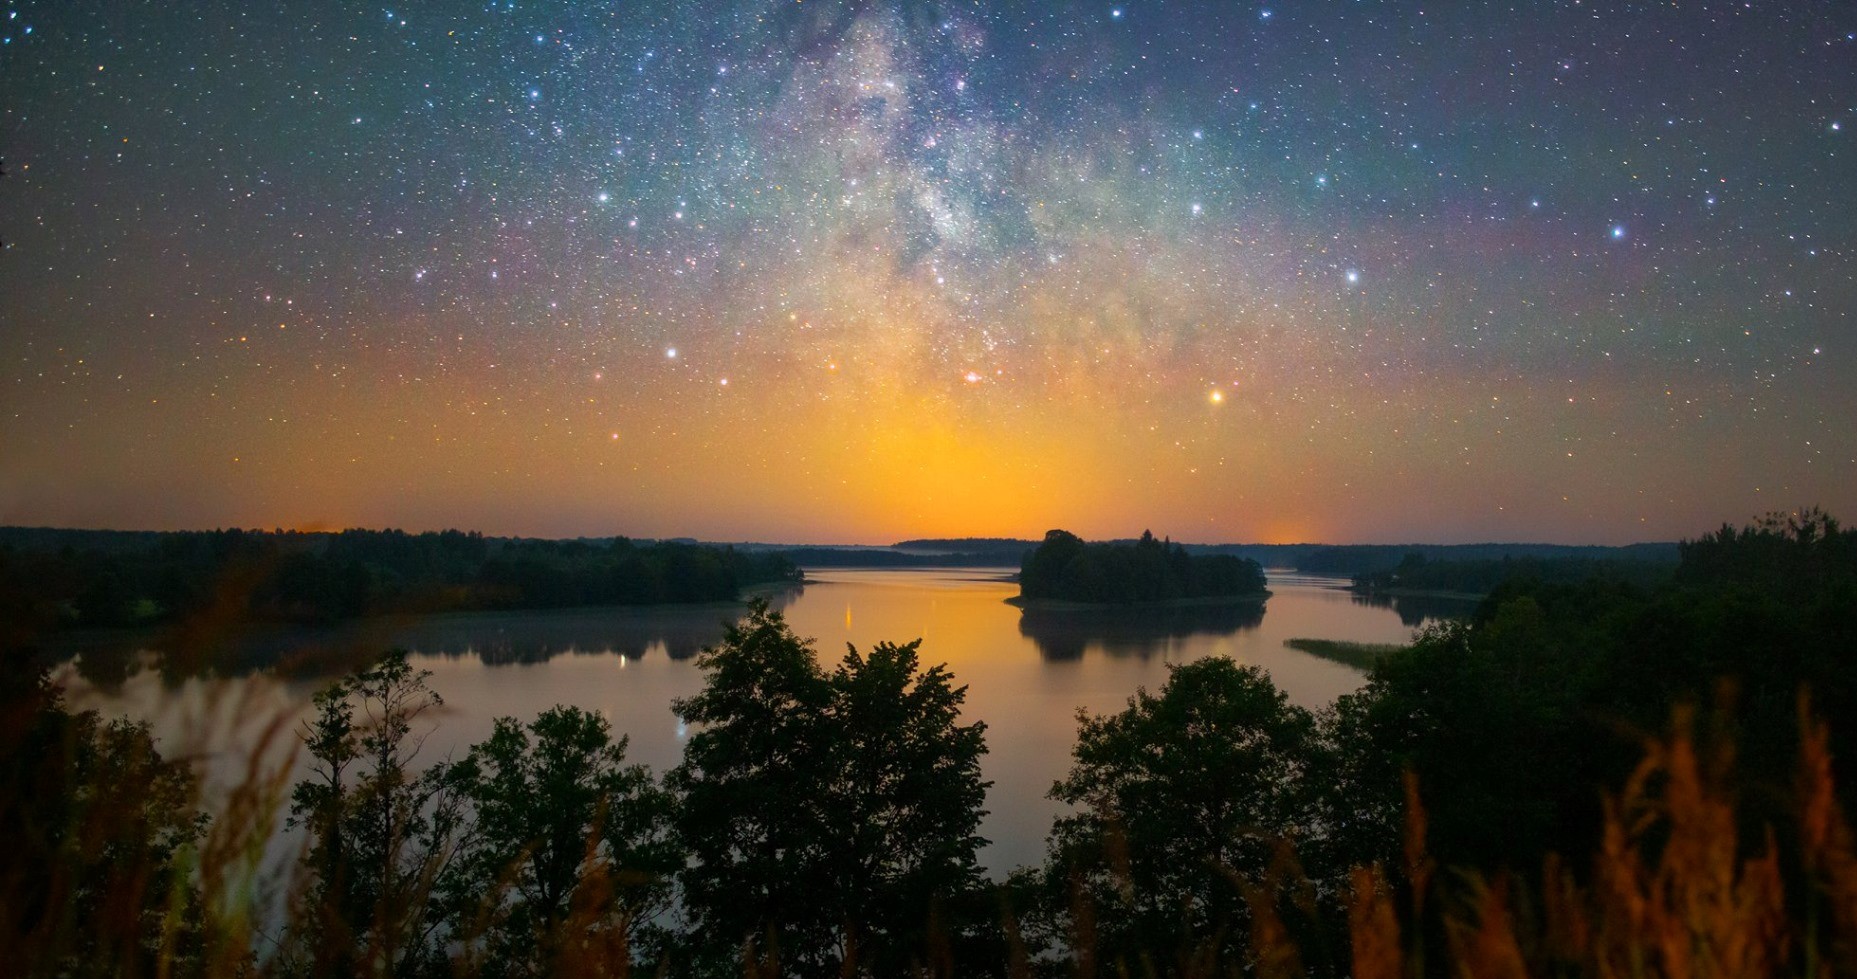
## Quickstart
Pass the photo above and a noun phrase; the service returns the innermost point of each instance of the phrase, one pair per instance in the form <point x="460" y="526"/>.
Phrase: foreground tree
<point x="1184" y="803"/>
<point x="830" y="817"/>
<point x="905" y="806"/>
<point x="569" y="856"/>
<point x="380" y="834"/>
<point x="101" y="837"/>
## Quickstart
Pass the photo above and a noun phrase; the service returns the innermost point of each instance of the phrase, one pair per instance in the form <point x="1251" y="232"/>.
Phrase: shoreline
<point x="1456" y="596"/>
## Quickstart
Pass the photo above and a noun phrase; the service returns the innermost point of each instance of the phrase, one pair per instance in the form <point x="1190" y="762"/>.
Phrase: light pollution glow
<point x="859" y="272"/>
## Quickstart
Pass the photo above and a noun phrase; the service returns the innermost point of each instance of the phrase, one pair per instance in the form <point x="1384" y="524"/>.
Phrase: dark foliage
<point x="101" y="836"/>
<point x="1479" y="577"/>
<point x="381" y="833"/>
<point x="1181" y="805"/>
<point x="1359" y="559"/>
<point x="824" y="821"/>
<point x="288" y="576"/>
<point x="831" y="818"/>
<point x="1066" y="568"/>
<point x="1511" y="720"/>
<point x="568" y="847"/>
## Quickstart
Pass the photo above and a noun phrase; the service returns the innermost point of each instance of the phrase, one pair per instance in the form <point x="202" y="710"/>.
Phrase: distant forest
<point x="1481" y="576"/>
<point x="1066" y="568"/>
<point x="92" y="578"/>
<point x="52" y="577"/>
<point x="1326" y="559"/>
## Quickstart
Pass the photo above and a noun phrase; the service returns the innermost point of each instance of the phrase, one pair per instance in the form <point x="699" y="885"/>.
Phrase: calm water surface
<point x="1027" y="675"/>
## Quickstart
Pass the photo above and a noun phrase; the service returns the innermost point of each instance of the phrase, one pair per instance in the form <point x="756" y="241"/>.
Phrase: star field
<point x="861" y="271"/>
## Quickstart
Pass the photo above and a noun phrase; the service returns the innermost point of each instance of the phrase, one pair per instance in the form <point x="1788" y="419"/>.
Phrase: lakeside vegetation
<point x="1360" y="655"/>
<point x="1418" y="575"/>
<point x="1065" y="568"/>
<point x="1583" y="780"/>
<point x="48" y="581"/>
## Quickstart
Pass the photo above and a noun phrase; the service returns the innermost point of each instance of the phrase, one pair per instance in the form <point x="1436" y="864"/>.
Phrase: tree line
<point x="1416" y="573"/>
<point x="1580" y="779"/>
<point x="289" y="576"/>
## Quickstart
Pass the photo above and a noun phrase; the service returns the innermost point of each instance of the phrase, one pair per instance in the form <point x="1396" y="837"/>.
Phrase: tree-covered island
<point x="1064" y="570"/>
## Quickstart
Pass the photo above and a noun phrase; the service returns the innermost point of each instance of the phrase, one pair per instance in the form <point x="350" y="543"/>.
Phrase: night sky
<point x="1345" y="271"/>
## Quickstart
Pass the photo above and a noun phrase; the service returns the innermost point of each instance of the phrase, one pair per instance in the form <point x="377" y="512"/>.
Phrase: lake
<point x="1027" y="674"/>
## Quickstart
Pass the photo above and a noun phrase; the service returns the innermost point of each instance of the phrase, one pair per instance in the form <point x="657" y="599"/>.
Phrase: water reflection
<point x="107" y="659"/>
<point x="1416" y="610"/>
<point x="1142" y="632"/>
<point x="1027" y="675"/>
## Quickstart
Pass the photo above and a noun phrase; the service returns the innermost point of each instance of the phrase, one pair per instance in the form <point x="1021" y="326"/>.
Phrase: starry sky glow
<point x="857" y="271"/>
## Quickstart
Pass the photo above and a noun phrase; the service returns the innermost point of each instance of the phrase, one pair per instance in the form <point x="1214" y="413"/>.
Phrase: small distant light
<point x="724" y="382"/>
<point x="1354" y="276"/>
<point x="972" y="377"/>
<point x="604" y="197"/>
<point x="1618" y="232"/>
<point x="1216" y="397"/>
<point x="615" y="436"/>
<point x="671" y="352"/>
<point x="1115" y="14"/>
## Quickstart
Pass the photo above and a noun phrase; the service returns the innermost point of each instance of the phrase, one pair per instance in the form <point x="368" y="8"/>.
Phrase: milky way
<point x="860" y="271"/>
